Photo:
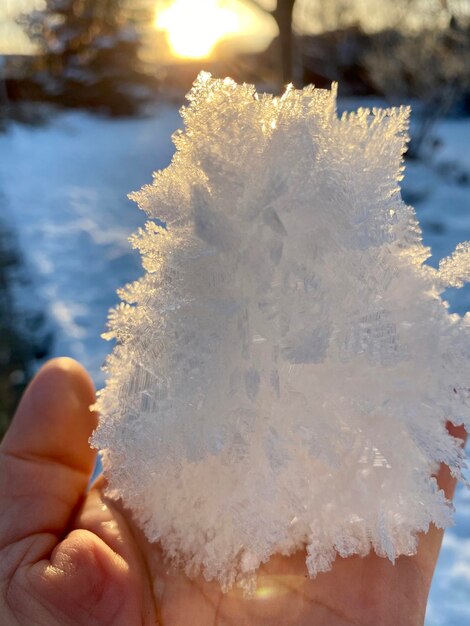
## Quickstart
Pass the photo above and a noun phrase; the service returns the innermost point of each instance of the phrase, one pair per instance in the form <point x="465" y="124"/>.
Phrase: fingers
<point x="45" y="458"/>
<point x="110" y="522"/>
<point x="430" y="543"/>
<point x="445" y="480"/>
<point x="106" y="520"/>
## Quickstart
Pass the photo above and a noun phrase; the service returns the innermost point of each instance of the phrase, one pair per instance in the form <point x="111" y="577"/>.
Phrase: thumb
<point x="45" y="460"/>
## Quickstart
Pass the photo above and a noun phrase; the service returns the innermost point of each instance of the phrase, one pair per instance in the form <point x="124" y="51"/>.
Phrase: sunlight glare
<point x="194" y="27"/>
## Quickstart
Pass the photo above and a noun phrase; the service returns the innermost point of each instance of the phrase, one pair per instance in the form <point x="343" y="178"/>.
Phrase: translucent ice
<point x="285" y="368"/>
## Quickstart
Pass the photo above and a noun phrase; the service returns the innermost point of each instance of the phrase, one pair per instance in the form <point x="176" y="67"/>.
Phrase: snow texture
<point x="285" y="368"/>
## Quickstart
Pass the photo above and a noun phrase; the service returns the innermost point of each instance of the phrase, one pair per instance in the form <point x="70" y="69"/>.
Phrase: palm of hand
<point x="68" y="557"/>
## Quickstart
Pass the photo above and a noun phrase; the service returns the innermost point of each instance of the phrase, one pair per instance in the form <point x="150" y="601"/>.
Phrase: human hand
<point x="357" y="591"/>
<point x="68" y="556"/>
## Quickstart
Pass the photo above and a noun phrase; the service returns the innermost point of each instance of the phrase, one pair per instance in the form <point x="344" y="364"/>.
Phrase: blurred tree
<point x="329" y="16"/>
<point x="25" y="338"/>
<point x="283" y="16"/>
<point x="89" y="54"/>
<point x="430" y="65"/>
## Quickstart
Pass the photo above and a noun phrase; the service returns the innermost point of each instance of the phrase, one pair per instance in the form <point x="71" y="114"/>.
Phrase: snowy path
<point x="63" y="189"/>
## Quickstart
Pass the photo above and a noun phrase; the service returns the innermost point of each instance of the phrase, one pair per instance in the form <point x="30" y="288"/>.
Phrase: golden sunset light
<point x="194" y="28"/>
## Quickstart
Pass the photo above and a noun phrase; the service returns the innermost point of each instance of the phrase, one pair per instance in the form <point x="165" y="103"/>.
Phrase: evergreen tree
<point x="89" y="54"/>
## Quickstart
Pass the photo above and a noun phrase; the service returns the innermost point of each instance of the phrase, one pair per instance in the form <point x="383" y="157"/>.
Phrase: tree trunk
<point x="283" y="16"/>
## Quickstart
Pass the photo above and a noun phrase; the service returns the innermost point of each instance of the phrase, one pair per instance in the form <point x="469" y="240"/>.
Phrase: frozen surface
<point x="285" y="368"/>
<point x="63" y="188"/>
<point x="101" y="159"/>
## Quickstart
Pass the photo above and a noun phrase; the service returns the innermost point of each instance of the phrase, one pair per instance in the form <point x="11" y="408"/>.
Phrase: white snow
<point x="64" y="187"/>
<point x="287" y="354"/>
<point x="101" y="160"/>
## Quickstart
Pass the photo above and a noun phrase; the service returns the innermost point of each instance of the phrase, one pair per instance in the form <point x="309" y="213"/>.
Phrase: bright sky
<point x="12" y="38"/>
<point x="193" y="27"/>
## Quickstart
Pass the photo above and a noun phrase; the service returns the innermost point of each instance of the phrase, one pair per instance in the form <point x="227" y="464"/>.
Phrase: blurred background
<point x="89" y="99"/>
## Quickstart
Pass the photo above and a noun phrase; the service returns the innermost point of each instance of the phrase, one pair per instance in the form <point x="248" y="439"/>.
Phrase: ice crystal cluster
<point x="286" y="366"/>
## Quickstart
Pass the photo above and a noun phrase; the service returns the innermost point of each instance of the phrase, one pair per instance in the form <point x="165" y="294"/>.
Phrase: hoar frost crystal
<point x="285" y="368"/>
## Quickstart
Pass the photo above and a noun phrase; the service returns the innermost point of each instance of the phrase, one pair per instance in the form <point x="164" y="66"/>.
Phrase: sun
<point x="193" y="27"/>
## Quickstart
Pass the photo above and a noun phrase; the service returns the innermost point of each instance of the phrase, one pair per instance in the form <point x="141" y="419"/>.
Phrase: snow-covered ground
<point x="63" y="190"/>
<point x="64" y="187"/>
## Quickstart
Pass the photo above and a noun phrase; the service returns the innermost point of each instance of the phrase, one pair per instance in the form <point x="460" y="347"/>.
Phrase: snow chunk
<point x="455" y="269"/>
<point x="285" y="368"/>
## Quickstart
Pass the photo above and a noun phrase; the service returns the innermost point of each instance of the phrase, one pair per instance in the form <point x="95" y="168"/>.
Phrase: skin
<point x="70" y="556"/>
